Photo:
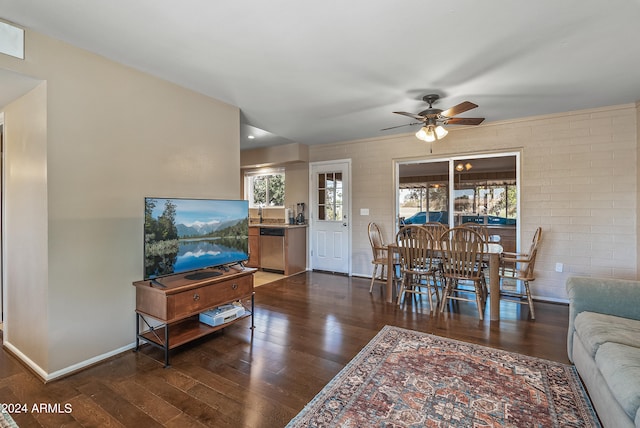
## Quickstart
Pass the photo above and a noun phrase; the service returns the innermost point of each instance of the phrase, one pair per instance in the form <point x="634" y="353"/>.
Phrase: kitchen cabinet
<point x="292" y="248"/>
<point x="295" y="250"/>
<point x="254" y="247"/>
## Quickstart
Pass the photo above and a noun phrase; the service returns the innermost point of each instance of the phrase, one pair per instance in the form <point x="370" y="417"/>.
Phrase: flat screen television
<point x="183" y="235"/>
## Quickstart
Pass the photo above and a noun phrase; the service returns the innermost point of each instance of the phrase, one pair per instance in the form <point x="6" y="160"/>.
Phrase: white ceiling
<point x="319" y="72"/>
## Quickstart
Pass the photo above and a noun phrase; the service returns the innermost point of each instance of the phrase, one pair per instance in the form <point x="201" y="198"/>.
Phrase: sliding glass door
<point x="482" y="189"/>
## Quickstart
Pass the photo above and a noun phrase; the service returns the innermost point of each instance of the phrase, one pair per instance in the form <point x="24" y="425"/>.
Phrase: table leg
<point x="390" y="273"/>
<point x="494" y="286"/>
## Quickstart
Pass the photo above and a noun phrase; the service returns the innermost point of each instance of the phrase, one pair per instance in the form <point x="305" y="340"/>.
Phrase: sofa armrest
<point x="609" y="296"/>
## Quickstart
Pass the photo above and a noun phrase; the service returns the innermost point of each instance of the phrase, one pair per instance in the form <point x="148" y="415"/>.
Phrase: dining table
<point x="492" y="252"/>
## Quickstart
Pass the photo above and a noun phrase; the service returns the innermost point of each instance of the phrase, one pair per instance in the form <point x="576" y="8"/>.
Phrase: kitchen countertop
<point x="277" y="225"/>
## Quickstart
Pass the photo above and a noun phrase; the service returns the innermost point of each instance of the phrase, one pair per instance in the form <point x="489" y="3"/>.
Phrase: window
<point x="453" y="191"/>
<point x="424" y="197"/>
<point x="330" y="196"/>
<point x="265" y="188"/>
<point x="424" y="192"/>
<point x="494" y="200"/>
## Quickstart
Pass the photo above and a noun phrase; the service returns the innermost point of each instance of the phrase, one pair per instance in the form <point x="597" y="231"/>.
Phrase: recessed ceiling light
<point x="251" y="137"/>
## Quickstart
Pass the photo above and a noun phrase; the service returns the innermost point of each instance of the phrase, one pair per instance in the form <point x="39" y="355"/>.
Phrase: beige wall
<point x="113" y="135"/>
<point x="637" y="207"/>
<point x="292" y="157"/>
<point x="579" y="181"/>
<point x="26" y="226"/>
<point x="274" y="155"/>
<point x="297" y="184"/>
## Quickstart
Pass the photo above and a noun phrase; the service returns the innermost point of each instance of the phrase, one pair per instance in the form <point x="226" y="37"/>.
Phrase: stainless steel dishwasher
<point x="272" y="249"/>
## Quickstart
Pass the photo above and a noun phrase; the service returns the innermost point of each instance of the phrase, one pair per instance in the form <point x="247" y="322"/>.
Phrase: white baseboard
<point x="47" y="377"/>
<point x="550" y="299"/>
<point x="361" y="275"/>
<point x="32" y="365"/>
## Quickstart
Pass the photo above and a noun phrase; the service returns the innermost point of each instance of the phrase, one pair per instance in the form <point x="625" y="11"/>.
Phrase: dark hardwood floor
<point x="308" y="327"/>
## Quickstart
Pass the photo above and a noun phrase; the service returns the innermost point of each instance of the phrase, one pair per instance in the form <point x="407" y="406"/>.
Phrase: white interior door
<point x="330" y="225"/>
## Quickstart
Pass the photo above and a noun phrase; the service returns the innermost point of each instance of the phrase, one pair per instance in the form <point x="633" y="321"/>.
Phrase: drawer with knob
<point x="179" y="299"/>
<point x="199" y="299"/>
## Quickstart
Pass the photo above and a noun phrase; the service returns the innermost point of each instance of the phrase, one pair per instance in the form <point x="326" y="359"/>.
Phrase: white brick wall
<point x="579" y="181"/>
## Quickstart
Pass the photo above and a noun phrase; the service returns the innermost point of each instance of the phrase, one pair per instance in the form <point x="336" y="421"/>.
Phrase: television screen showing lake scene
<point x="183" y="235"/>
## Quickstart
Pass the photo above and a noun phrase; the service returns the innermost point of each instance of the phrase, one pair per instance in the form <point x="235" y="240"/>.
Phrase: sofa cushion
<point x="620" y="367"/>
<point x="595" y="329"/>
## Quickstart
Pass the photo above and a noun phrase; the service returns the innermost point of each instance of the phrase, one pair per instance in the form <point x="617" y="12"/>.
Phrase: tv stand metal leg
<point x="137" y="332"/>
<point x="253" y="310"/>
<point x="166" y="346"/>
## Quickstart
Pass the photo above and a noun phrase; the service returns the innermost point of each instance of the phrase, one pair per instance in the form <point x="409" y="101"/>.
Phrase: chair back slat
<point x="537" y="238"/>
<point x="463" y="250"/>
<point x="526" y="267"/>
<point x="480" y="228"/>
<point x="415" y="246"/>
<point x="376" y="240"/>
<point x="436" y="228"/>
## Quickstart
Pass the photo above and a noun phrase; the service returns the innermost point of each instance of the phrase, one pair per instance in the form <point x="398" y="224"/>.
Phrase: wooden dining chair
<point x="418" y="264"/>
<point x="480" y="228"/>
<point x="462" y="255"/>
<point x="436" y="228"/>
<point x="484" y="232"/>
<point x="379" y="254"/>
<point x="520" y="267"/>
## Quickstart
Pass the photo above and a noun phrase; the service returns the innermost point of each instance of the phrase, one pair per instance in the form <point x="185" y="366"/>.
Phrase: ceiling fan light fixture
<point x="430" y="136"/>
<point x="422" y="133"/>
<point x="433" y="118"/>
<point x="431" y="133"/>
<point x="441" y="132"/>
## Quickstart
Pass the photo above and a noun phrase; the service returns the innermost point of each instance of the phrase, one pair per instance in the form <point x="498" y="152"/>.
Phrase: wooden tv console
<point x="176" y="302"/>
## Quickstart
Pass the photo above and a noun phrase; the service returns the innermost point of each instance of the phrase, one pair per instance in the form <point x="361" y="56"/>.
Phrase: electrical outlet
<point x="559" y="267"/>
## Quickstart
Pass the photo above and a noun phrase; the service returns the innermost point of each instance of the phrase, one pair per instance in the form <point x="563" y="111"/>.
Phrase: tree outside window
<point x="266" y="189"/>
<point x="496" y="200"/>
<point x="424" y="197"/>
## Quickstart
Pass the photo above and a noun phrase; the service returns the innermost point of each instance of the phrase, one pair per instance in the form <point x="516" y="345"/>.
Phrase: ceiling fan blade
<point x="415" y="116"/>
<point x="400" y="126"/>
<point x="460" y="108"/>
<point x="464" y="121"/>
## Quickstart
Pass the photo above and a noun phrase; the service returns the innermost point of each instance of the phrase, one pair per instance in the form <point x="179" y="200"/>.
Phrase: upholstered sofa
<point x="604" y="344"/>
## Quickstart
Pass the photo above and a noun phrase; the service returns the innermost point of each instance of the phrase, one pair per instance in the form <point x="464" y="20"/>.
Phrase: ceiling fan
<point x="433" y="119"/>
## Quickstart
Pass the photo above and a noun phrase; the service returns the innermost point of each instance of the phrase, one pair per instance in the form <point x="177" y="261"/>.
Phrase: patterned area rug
<point x="404" y="378"/>
<point x="6" y="421"/>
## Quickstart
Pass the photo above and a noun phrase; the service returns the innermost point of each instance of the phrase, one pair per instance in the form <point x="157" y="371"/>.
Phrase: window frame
<point x="454" y="180"/>
<point x="251" y="175"/>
